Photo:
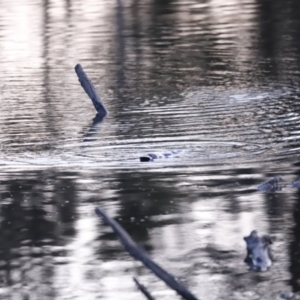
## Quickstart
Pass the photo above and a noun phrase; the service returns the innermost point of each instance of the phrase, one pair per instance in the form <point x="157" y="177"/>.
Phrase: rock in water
<point x="259" y="253"/>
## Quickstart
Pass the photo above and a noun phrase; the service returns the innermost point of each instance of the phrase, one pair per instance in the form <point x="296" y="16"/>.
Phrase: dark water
<point x="216" y="79"/>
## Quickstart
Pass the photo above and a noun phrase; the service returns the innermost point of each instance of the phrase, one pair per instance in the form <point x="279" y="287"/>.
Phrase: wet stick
<point x="140" y="254"/>
<point x="143" y="289"/>
<point x="90" y="90"/>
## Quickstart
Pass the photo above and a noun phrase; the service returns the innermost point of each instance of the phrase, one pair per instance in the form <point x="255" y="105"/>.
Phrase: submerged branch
<point x="140" y="254"/>
<point x="143" y="289"/>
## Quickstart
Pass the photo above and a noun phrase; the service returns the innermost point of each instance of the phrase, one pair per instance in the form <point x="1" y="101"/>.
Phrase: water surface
<point x="218" y="81"/>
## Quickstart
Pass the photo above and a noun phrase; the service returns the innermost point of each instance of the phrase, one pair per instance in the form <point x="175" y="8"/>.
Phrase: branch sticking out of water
<point x="143" y="289"/>
<point x="140" y="254"/>
<point x="272" y="185"/>
<point x="90" y="90"/>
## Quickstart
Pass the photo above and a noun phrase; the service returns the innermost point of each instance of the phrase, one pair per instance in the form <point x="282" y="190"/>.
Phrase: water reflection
<point x="48" y="222"/>
<point x="37" y="214"/>
<point x="94" y="128"/>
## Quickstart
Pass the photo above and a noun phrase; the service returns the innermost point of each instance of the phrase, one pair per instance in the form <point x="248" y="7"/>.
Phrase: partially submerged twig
<point x="90" y="90"/>
<point x="140" y="254"/>
<point x="143" y="289"/>
<point x="271" y="185"/>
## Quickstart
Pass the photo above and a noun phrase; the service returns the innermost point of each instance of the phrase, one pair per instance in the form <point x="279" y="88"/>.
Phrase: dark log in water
<point x="140" y="254"/>
<point x="143" y="289"/>
<point x="90" y="90"/>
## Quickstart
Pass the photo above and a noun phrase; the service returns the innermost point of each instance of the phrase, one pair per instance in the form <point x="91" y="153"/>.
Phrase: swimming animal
<point x="154" y="156"/>
<point x="259" y="253"/>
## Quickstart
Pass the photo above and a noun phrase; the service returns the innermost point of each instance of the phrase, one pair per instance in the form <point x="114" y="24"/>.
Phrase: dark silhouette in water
<point x="154" y="156"/>
<point x="259" y="253"/>
<point x="271" y="185"/>
<point x="143" y="289"/>
<point x="140" y="254"/>
<point x="89" y="88"/>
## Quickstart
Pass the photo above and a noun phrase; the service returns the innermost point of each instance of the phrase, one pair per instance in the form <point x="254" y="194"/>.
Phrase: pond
<point x="217" y="81"/>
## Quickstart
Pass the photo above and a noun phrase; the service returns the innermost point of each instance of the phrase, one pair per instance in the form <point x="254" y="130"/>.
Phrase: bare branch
<point x="140" y="254"/>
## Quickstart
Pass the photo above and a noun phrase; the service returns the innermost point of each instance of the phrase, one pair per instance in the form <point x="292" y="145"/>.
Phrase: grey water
<point x="217" y="80"/>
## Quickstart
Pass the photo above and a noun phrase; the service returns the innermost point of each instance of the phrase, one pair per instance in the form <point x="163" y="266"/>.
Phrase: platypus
<point x="259" y="253"/>
<point x="154" y="156"/>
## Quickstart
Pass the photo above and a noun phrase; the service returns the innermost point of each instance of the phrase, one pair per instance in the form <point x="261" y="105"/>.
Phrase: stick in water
<point x="90" y="90"/>
<point x="140" y="254"/>
<point x="143" y="289"/>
